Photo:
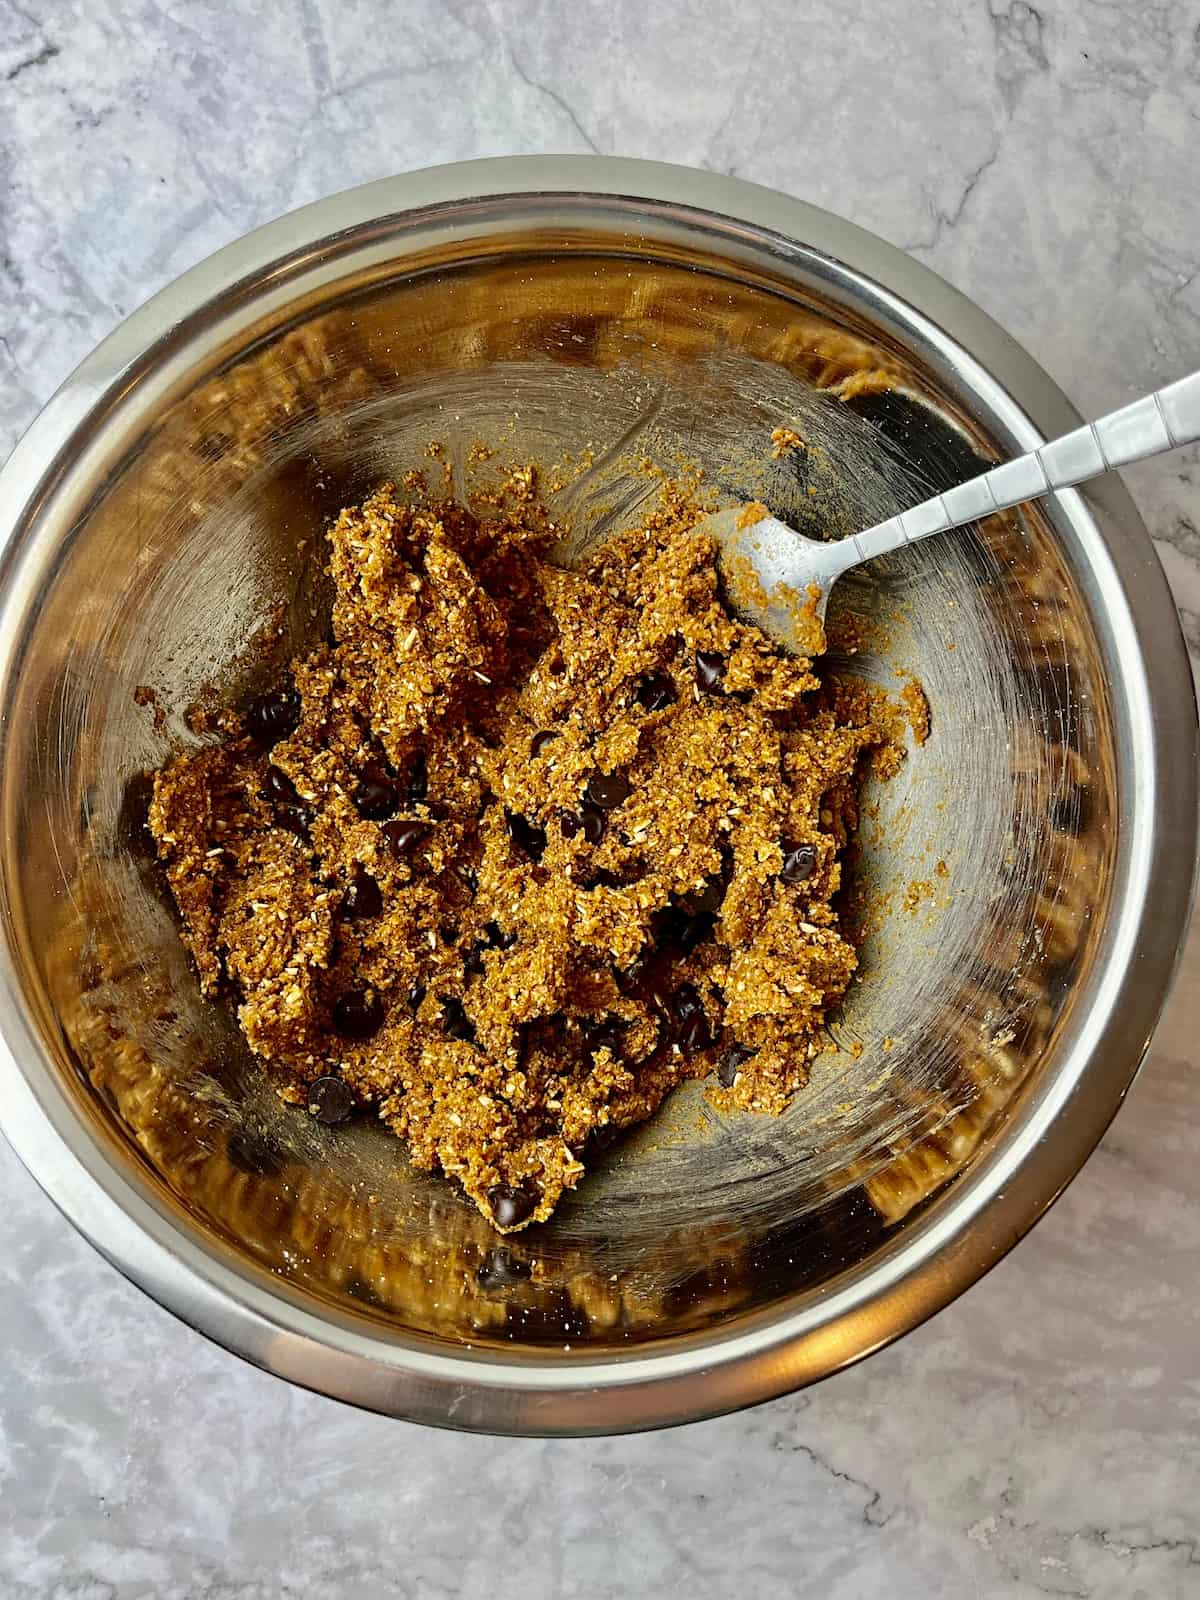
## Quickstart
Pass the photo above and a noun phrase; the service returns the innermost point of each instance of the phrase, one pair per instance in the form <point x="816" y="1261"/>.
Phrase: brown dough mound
<point x="523" y="848"/>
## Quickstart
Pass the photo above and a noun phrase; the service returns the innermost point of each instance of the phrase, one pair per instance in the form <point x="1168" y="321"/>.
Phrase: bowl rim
<point x="990" y="1208"/>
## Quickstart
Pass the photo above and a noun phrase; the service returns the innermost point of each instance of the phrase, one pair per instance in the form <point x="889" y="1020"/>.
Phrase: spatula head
<point x="773" y="576"/>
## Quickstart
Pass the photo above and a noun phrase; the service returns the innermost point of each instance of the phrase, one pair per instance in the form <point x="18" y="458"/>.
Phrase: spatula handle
<point x="1160" y="421"/>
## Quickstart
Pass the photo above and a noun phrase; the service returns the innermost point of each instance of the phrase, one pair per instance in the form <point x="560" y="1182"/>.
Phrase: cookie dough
<point x="521" y="848"/>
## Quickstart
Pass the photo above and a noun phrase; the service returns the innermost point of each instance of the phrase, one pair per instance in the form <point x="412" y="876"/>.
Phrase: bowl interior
<point x="983" y="868"/>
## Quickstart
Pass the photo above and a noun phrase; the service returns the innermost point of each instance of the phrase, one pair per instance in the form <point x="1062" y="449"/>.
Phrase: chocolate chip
<point x="358" y="1015"/>
<point x="527" y="835"/>
<point x="415" y="995"/>
<point x="668" y="926"/>
<point x="290" y="811"/>
<point x="590" y="820"/>
<point x="608" y="790"/>
<point x="404" y="837"/>
<point x="279" y="787"/>
<point x="710" y="671"/>
<point x="734" y="1058"/>
<point x="695" y="1034"/>
<point x="418" y="780"/>
<point x="331" y="1099"/>
<point x="675" y="928"/>
<point x="362" y="899"/>
<point x="799" y="863"/>
<point x="656" y="691"/>
<point x="449" y="933"/>
<point x="376" y="797"/>
<point x="296" y="819"/>
<point x="601" y="1033"/>
<point x="541" y="739"/>
<point x="707" y="898"/>
<point x="500" y="1269"/>
<point x="455" y="1021"/>
<point x="512" y="1205"/>
<point x="594" y="823"/>
<point x="273" y="716"/>
<point x="696" y="931"/>
<point x="685" y="1002"/>
<point x="603" y="878"/>
<point x="497" y="939"/>
<point x="630" y="980"/>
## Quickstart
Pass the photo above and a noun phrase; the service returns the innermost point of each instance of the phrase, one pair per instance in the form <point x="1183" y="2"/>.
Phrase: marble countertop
<point x="1042" y="1435"/>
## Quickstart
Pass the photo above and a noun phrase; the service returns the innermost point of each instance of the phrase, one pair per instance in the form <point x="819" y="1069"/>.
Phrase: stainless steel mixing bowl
<point x="1023" y="884"/>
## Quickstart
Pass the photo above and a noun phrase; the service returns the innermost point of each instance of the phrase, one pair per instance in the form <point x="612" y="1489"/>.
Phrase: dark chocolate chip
<point x="734" y="1058"/>
<point x="362" y="899"/>
<point x="492" y="938"/>
<point x="601" y="1033"/>
<point x="656" y="691"/>
<point x="358" y="1015"/>
<point x="415" y="995"/>
<point x="668" y="926"/>
<point x="696" y="931"/>
<point x="296" y="819"/>
<point x="500" y="1270"/>
<point x="603" y="878"/>
<point x="331" y="1099"/>
<point x="512" y="1204"/>
<point x="273" y="716"/>
<point x="710" y="671"/>
<point x="377" y="798"/>
<point x="418" y="781"/>
<point x="675" y="928"/>
<point x="630" y="979"/>
<point x="608" y="790"/>
<point x="799" y="862"/>
<point x="541" y="739"/>
<point x="527" y="835"/>
<point x="290" y="811"/>
<point x="448" y="932"/>
<point x="569" y="823"/>
<point x="455" y="1021"/>
<point x="708" y="897"/>
<point x="594" y="823"/>
<point x="278" y="787"/>
<point x="685" y="1002"/>
<point x="695" y="1034"/>
<point x="404" y="837"/>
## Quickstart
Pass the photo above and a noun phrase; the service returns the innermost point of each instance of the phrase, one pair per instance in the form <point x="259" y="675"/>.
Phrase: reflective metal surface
<point x="166" y="511"/>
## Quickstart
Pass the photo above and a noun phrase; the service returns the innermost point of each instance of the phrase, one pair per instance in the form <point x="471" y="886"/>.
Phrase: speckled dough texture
<point x="521" y="848"/>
